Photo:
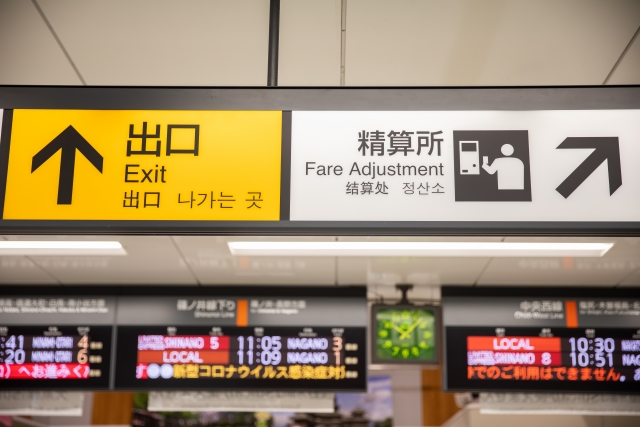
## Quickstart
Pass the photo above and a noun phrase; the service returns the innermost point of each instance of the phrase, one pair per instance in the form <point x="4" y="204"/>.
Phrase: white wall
<point x="406" y="385"/>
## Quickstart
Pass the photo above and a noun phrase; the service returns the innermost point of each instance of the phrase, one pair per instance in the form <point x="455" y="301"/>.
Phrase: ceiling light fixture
<point x="60" y="247"/>
<point x="431" y="249"/>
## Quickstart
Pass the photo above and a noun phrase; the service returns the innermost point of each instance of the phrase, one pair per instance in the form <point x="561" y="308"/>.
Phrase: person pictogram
<point x="492" y="166"/>
<point x="510" y="170"/>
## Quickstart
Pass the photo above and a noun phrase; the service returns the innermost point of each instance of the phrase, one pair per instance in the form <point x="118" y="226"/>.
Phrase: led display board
<point x="185" y="338"/>
<point x="321" y="358"/>
<point x="542" y="341"/>
<point x="404" y="334"/>
<point x="259" y="342"/>
<point x="56" y="342"/>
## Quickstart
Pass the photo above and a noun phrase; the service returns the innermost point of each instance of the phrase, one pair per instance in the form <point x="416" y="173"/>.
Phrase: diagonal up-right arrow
<point x="605" y="148"/>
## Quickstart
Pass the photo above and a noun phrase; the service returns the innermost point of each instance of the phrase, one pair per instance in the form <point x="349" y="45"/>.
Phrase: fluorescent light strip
<point x="60" y="247"/>
<point x="431" y="249"/>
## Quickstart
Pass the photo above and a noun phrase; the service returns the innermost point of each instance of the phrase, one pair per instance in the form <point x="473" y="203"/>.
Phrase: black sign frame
<point x="310" y="99"/>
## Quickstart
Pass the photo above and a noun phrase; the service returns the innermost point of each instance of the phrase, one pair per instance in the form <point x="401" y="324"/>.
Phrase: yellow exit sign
<point x="144" y="165"/>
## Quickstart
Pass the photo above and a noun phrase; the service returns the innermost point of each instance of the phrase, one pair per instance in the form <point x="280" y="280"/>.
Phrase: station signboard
<point x="538" y="342"/>
<point x="320" y="161"/>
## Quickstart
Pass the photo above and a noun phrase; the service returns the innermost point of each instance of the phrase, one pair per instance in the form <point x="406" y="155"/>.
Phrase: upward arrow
<point x="68" y="141"/>
<point x="605" y="148"/>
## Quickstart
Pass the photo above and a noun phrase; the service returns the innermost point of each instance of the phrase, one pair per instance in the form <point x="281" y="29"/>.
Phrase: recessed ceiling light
<point x="60" y="247"/>
<point x="432" y="249"/>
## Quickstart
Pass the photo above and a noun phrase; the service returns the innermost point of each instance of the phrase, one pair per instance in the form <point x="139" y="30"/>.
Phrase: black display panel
<point x="55" y="357"/>
<point x="241" y="358"/>
<point x="564" y="359"/>
<point x="541" y="340"/>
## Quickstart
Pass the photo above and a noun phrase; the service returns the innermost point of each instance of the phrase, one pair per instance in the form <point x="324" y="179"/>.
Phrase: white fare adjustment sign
<point x="560" y="166"/>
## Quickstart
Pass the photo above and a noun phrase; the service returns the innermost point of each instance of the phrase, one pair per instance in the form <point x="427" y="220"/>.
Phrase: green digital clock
<point x="405" y="334"/>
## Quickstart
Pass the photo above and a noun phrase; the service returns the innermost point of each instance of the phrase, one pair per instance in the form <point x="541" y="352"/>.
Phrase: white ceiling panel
<point x="632" y="280"/>
<point x="493" y="42"/>
<point x="609" y="270"/>
<point x="628" y="71"/>
<point x="421" y="271"/>
<point x="17" y="269"/>
<point x="164" y="42"/>
<point x="150" y="260"/>
<point x="309" y="43"/>
<point x="212" y="263"/>
<point x="206" y="260"/>
<point x="29" y="53"/>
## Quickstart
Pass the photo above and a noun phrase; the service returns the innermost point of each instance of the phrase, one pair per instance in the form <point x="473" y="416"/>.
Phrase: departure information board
<point x="264" y="341"/>
<point x="58" y="357"/>
<point x="55" y="341"/>
<point x="598" y="360"/>
<point x="183" y="338"/>
<point x="327" y="358"/>
<point x="542" y="344"/>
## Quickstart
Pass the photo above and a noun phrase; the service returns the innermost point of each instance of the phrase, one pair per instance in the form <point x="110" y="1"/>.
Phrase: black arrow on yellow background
<point x="604" y="148"/>
<point x="68" y="141"/>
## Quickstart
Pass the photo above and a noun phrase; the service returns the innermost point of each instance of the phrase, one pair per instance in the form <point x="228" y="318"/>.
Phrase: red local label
<point x="183" y="356"/>
<point x="514" y="344"/>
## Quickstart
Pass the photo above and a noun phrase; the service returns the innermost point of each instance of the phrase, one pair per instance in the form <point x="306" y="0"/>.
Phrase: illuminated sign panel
<point x="276" y="338"/>
<point x="572" y="359"/>
<point x="144" y="165"/>
<point x="55" y="342"/>
<point x="540" y="344"/>
<point x="55" y="357"/>
<point x="175" y="160"/>
<point x="326" y="358"/>
<point x="267" y="342"/>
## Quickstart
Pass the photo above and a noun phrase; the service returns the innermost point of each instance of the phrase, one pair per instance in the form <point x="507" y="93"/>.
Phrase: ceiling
<point x="206" y="260"/>
<point x="386" y="43"/>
